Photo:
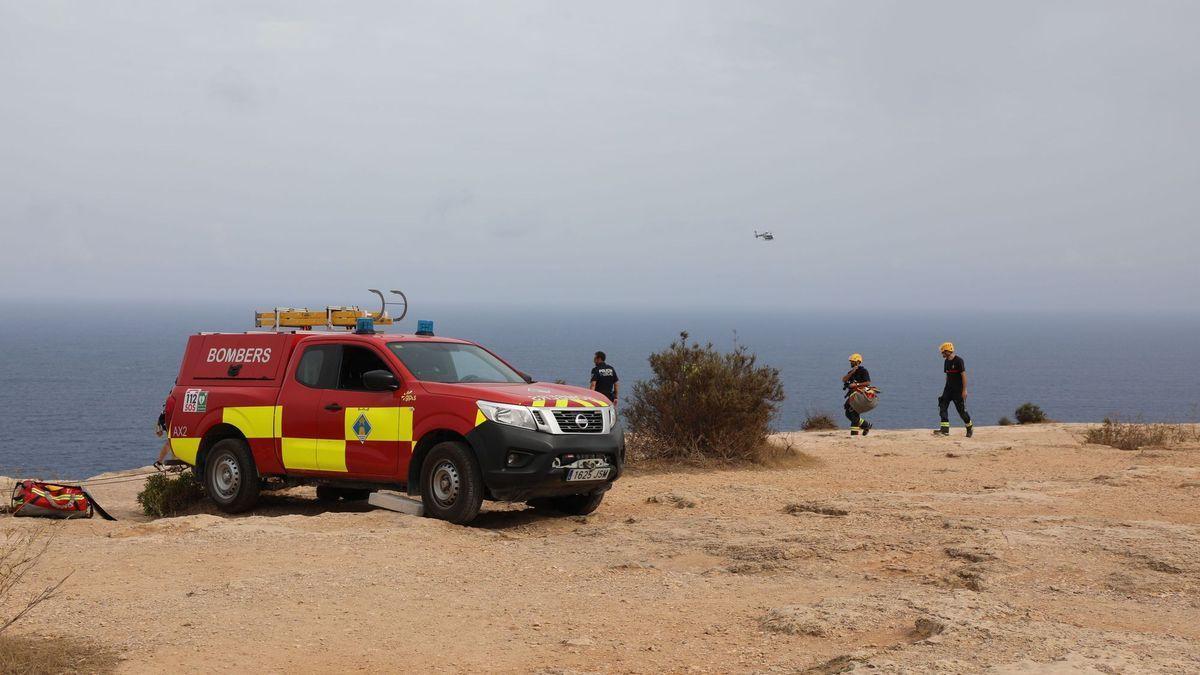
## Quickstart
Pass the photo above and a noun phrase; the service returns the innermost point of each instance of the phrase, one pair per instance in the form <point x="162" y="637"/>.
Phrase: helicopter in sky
<point x="765" y="236"/>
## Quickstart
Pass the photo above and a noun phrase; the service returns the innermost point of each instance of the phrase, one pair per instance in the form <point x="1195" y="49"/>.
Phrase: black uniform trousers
<point x="960" y="405"/>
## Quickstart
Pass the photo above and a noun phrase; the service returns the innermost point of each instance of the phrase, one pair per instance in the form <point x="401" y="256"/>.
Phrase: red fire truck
<point x="353" y="412"/>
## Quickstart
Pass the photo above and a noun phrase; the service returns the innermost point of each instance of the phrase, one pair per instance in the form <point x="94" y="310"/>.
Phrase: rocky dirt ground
<point x="1021" y="550"/>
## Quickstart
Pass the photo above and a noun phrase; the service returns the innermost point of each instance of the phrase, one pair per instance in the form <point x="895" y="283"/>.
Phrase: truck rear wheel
<point x="574" y="505"/>
<point x="451" y="483"/>
<point x="230" y="477"/>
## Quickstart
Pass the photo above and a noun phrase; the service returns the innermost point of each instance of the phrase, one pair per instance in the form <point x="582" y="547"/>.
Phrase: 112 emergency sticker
<point x="195" y="401"/>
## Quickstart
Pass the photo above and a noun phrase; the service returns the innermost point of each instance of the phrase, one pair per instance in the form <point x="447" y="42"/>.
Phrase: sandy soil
<point x="1021" y="550"/>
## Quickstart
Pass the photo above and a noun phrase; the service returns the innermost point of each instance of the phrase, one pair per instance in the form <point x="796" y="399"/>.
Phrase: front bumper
<point x="537" y="475"/>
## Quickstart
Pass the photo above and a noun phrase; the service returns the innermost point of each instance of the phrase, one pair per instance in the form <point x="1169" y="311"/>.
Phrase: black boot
<point x="866" y="427"/>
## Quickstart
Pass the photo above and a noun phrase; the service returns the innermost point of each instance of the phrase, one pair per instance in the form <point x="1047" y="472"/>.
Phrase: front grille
<point x="580" y="421"/>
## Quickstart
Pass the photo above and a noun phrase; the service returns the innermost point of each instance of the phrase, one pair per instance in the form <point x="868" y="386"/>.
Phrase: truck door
<point x="300" y="407"/>
<point x="372" y="425"/>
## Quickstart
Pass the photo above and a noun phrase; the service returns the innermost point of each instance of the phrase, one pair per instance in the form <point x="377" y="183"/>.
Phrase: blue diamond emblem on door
<point x="362" y="427"/>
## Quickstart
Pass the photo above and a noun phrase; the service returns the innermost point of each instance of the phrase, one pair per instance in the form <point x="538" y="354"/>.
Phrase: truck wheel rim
<point x="227" y="477"/>
<point x="446" y="483"/>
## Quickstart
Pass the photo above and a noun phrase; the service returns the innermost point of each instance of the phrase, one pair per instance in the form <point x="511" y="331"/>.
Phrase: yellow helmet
<point x="857" y="358"/>
<point x="946" y="347"/>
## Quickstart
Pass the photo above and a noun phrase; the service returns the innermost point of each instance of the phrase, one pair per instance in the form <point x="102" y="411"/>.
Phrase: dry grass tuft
<point x="53" y="655"/>
<point x="780" y="452"/>
<point x="818" y="421"/>
<point x="1133" y="435"/>
<point x="815" y="507"/>
<point x="6" y="489"/>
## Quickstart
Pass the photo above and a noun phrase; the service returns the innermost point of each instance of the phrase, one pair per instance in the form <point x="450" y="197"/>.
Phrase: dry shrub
<point x="1134" y="435"/>
<point x="165" y="495"/>
<point x="1005" y="422"/>
<point x="704" y="403"/>
<point x="818" y="421"/>
<point x="20" y="551"/>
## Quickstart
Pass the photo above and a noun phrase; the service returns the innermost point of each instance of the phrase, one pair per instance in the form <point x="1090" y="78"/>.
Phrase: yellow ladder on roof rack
<point x="330" y="317"/>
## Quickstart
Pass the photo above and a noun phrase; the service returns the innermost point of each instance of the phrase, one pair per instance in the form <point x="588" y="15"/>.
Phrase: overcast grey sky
<point x="921" y="155"/>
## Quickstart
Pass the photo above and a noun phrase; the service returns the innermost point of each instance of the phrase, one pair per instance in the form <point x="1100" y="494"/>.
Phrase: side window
<point x="319" y="367"/>
<point x="356" y="361"/>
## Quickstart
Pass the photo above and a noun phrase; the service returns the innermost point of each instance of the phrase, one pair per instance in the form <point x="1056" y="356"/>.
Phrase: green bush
<point x="1028" y="413"/>
<point x="1005" y="422"/>
<point x="165" y="495"/>
<point x="704" y="403"/>
<point x="818" y="422"/>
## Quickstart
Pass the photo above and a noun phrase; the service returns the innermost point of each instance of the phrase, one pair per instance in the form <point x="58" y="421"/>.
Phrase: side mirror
<point x="380" y="380"/>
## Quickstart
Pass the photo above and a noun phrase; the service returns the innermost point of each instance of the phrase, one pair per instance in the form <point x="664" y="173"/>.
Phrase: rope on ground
<point x="114" y="478"/>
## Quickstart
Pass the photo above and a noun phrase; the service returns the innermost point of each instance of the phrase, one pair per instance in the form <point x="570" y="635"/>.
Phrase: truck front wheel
<point x="230" y="477"/>
<point x="451" y="483"/>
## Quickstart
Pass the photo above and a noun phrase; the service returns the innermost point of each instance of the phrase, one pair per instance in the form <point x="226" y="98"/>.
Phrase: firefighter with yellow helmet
<point x="954" y="391"/>
<point x="855" y="379"/>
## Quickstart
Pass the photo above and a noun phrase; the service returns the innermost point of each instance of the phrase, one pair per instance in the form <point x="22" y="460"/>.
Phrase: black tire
<point x="574" y="505"/>
<point x="451" y="483"/>
<point x="230" y="477"/>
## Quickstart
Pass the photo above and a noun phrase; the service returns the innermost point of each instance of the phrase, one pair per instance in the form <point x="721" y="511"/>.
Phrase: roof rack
<point x="332" y="316"/>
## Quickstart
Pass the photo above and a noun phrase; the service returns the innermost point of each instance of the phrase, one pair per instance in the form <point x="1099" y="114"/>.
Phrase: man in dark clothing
<point x="857" y="378"/>
<point x="604" y="377"/>
<point x="955" y="391"/>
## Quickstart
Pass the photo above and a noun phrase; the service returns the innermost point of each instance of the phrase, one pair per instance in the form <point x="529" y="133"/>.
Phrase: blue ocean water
<point x="80" y="397"/>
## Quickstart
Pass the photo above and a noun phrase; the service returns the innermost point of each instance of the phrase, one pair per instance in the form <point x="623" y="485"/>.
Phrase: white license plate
<point x="588" y="474"/>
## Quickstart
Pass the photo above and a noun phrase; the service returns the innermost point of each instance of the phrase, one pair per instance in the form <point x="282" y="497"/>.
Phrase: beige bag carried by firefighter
<point x="864" y="399"/>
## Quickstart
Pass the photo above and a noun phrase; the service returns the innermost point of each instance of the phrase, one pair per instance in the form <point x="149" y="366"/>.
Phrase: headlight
<point x="512" y="415"/>
<point x="611" y="412"/>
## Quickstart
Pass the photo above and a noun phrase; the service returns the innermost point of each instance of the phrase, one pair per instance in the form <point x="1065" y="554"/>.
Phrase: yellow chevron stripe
<point x="254" y="421"/>
<point x="186" y="449"/>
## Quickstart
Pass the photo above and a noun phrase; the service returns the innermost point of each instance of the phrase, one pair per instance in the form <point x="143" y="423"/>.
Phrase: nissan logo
<point x="581" y="421"/>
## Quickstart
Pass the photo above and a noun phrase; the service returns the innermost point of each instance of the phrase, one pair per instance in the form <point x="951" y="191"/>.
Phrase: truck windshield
<point x="452" y="363"/>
